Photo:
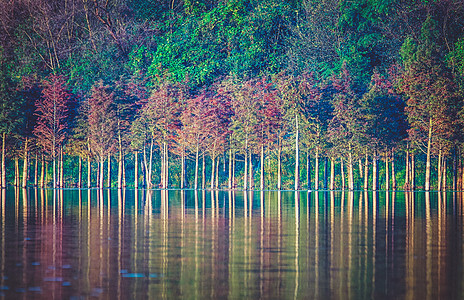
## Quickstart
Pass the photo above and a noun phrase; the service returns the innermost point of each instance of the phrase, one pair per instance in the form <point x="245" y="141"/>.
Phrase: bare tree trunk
<point x="25" y="164"/>
<point x="297" y="158"/>
<point x="79" y="175"/>
<point x="42" y="172"/>
<point x="326" y="172"/>
<point x="342" y="171"/>
<point x="393" y="169"/>
<point x="108" y="179"/>
<point x="439" y="171"/>
<point x="89" y="169"/>
<point x="455" y="174"/>
<point x="213" y="162"/>
<point x="374" y="172"/>
<point x="196" y="168"/>
<point x="444" y="173"/>
<point x="61" y="168"/>
<point x="16" y="178"/>
<point x="407" y="177"/>
<point x="332" y="172"/>
<point x="427" y="164"/>
<point x="261" y="180"/>
<point x="150" y="167"/>
<point x="100" y="172"/>
<point x="413" y="172"/>
<point x="387" y="172"/>
<point x="203" y="173"/>
<point x="250" y="173"/>
<point x="229" y="182"/>
<point x="124" y="185"/>
<point x="359" y="181"/>
<point x="36" y="170"/>
<point x="182" y="169"/>
<point x="366" y="172"/>
<point x="3" y="183"/>
<point x="233" y="171"/>
<point x="136" y="170"/>
<point x="316" y="171"/>
<point x="308" y="170"/>
<point x="216" y="184"/>
<point x="350" y="171"/>
<point x="166" y="177"/>
<point x="279" y="169"/>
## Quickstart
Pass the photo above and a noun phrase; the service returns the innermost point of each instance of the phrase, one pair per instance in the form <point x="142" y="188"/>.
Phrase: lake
<point x="110" y="244"/>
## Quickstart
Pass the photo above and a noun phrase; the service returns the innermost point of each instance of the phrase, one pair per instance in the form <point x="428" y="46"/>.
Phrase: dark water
<point x="75" y="244"/>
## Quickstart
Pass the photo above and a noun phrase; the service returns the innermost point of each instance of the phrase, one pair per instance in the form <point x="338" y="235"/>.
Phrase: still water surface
<point x="81" y="244"/>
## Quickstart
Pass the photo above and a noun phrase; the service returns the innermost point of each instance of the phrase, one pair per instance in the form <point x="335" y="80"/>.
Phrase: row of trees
<point x="232" y="93"/>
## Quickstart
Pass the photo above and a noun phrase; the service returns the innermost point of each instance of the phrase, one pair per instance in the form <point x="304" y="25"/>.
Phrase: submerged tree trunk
<point x="25" y="164"/>
<point x="182" y="169"/>
<point x="413" y="172"/>
<point x="250" y="173"/>
<point x="245" y="171"/>
<point x="439" y="170"/>
<point x="100" y="181"/>
<point x="444" y="173"/>
<point x="216" y="184"/>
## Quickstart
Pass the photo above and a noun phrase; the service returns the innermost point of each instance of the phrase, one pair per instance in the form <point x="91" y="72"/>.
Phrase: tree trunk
<point x="16" y="178"/>
<point x="100" y="172"/>
<point x="136" y="170"/>
<point x="61" y="168"/>
<point x="25" y="164"/>
<point x="203" y="173"/>
<point x="245" y="169"/>
<point x="108" y="180"/>
<point x="455" y="175"/>
<point x="150" y="166"/>
<point x="444" y="173"/>
<point x="413" y="172"/>
<point x="393" y="174"/>
<point x="326" y="172"/>
<point x="279" y="169"/>
<point x="166" y="177"/>
<point x="196" y="168"/>
<point x="54" y="172"/>
<point x="124" y="185"/>
<point x="427" y="164"/>
<point x="89" y="168"/>
<point x="308" y="171"/>
<point x="213" y="162"/>
<point x="229" y="182"/>
<point x="250" y="173"/>
<point x="387" y="172"/>
<point x="316" y="171"/>
<point x="233" y="171"/>
<point x="42" y="173"/>
<point x="261" y="180"/>
<point x="46" y="174"/>
<point x="407" y="177"/>
<point x="3" y="181"/>
<point x="342" y="172"/>
<point x="359" y="181"/>
<point x="216" y="184"/>
<point x="182" y="169"/>
<point x="350" y="171"/>
<point x="439" y="171"/>
<point x="297" y="158"/>
<point x="374" y="172"/>
<point x="79" y="175"/>
<point x="332" y="172"/>
<point x="36" y="170"/>
<point x="366" y="172"/>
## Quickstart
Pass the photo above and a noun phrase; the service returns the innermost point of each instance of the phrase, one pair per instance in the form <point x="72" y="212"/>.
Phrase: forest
<point x="248" y="94"/>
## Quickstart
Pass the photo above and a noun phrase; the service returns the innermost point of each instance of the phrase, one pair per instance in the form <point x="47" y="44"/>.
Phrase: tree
<point x="102" y="123"/>
<point x="52" y="113"/>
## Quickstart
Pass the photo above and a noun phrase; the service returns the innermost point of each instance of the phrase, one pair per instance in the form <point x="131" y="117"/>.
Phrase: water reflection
<point x="238" y="245"/>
